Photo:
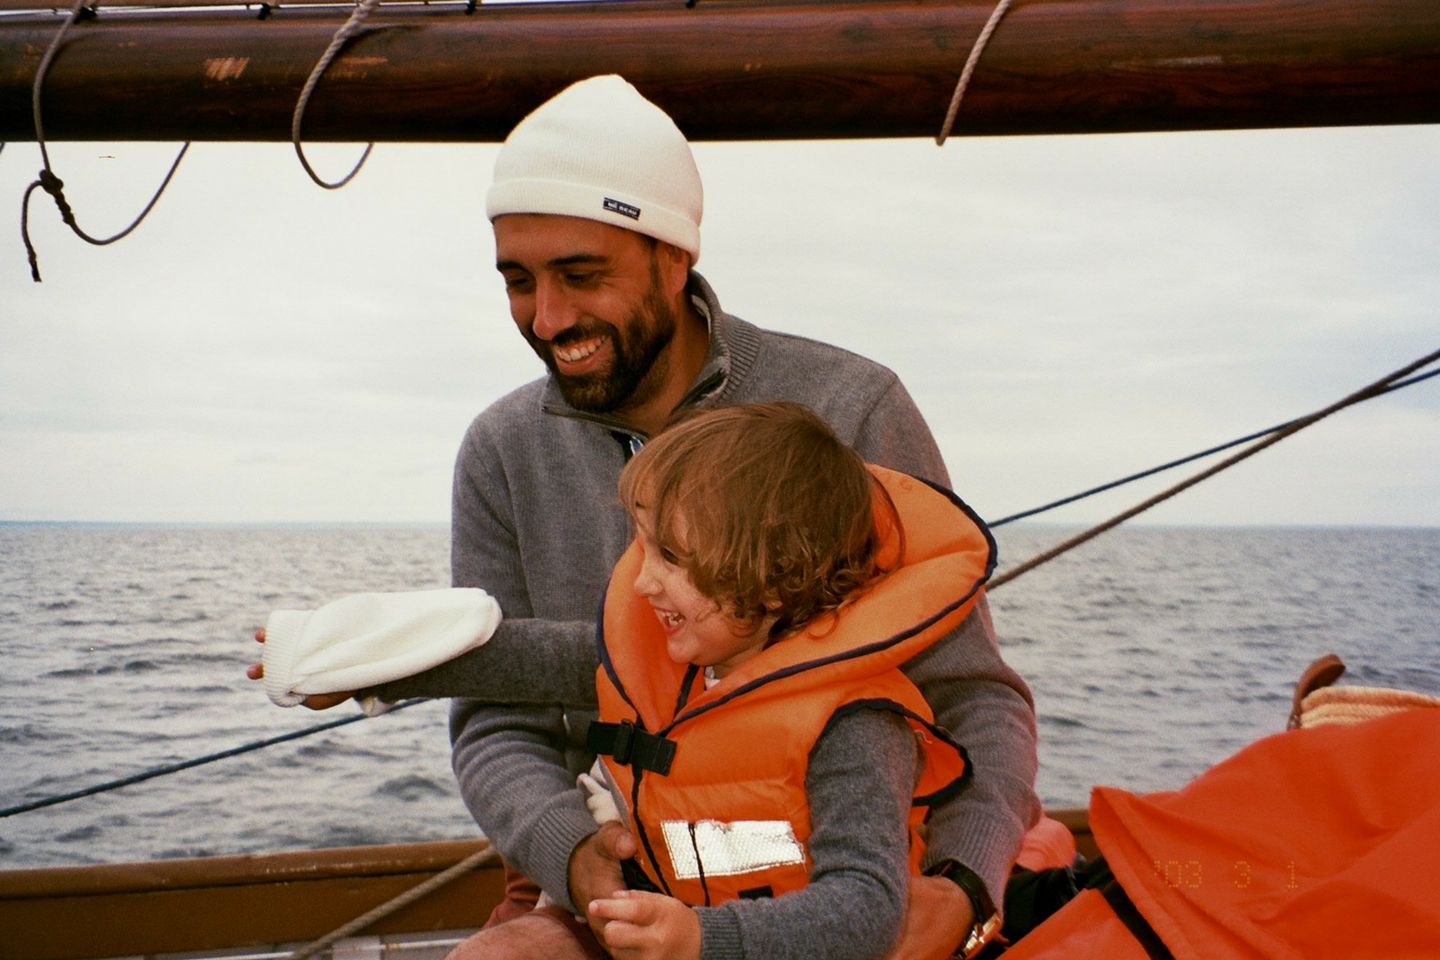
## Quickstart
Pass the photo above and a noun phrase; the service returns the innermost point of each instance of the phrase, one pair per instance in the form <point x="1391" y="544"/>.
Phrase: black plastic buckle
<point x="631" y="746"/>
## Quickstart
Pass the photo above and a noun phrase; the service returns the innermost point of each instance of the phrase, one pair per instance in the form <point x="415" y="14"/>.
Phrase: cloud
<point x="1063" y="309"/>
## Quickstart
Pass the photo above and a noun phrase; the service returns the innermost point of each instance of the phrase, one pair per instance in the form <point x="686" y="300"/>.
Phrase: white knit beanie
<point x="601" y="151"/>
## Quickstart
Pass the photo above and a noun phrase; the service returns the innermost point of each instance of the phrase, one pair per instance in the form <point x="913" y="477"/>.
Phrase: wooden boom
<point x="727" y="69"/>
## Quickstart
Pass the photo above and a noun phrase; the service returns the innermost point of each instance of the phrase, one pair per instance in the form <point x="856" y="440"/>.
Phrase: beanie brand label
<point x="624" y="209"/>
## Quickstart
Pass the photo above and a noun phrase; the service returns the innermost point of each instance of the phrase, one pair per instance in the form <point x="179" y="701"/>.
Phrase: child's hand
<point x="648" y="926"/>
<point x="316" y="701"/>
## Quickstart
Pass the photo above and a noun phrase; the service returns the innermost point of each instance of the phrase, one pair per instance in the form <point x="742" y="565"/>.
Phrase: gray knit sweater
<point x="537" y="522"/>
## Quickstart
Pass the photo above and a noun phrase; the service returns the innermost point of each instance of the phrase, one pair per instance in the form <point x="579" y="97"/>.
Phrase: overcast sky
<point x="1064" y="310"/>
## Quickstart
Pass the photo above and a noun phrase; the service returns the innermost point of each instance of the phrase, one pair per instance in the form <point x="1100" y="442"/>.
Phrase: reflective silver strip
<point x="727" y="849"/>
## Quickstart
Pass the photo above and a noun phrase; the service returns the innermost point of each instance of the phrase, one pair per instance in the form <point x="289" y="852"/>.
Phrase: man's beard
<point x="637" y="369"/>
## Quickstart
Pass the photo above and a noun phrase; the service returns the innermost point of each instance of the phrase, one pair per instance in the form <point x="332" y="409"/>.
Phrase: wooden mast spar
<point x="725" y="69"/>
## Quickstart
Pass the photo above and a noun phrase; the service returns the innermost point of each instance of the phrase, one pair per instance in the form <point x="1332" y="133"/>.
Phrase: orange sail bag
<point x="1320" y="842"/>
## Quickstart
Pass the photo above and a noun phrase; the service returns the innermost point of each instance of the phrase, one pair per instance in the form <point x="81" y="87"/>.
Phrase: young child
<point x="756" y="733"/>
<point x="767" y="753"/>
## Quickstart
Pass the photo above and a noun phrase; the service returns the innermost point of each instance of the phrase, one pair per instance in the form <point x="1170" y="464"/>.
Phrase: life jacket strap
<point x="1100" y="877"/>
<point x="631" y="746"/>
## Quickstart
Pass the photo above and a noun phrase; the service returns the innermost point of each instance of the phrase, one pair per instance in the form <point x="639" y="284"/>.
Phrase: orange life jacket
<point x="715" y="778"/>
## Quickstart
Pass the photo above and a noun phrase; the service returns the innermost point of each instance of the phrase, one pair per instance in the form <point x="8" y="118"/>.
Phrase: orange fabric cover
<point x="1047" y="844"/>
<point x="1320" y="842"/>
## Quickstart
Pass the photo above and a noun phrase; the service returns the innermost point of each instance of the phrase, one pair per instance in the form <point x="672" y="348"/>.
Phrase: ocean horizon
<point x="1152" y="652"/>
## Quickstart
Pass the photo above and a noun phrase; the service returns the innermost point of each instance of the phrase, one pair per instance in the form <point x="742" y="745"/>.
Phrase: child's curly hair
<point x="765" y="508"/>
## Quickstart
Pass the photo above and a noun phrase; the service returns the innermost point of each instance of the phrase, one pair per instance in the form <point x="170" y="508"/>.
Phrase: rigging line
<point x="479" y="858"/>
<point x="1365" y="393"/>
<point x="52" y="184"/>
<point x="969" y="71"/>
<point x="1394" y="381"/>
<point x="342" y="36"/>
<point x="1182" y="461"/>
<point x="197" y="761"/>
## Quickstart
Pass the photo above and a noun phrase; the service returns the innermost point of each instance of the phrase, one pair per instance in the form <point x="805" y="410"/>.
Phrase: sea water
<point x="1151" y="652"/>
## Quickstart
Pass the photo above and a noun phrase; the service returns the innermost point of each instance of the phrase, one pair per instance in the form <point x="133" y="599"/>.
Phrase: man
<point x="596" y="207"/>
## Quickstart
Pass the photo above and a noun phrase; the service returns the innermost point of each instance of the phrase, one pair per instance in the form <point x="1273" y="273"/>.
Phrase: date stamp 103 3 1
<point x="1193" y="875"/>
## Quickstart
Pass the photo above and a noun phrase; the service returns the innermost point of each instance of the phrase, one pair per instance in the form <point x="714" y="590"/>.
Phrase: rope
<point x="52" y="184"/>
<point x="1354" y="704"/>
<point x="1388" y="384"/>
<point x="1328" y="705"/>
<point x="1182" y="461"/>
<point x="195" y="762"/>
<point x="975" y="50"/>
<point x="342" y="36"/>
<point x="484" y="855"/>
<point x="1373" y="390"/>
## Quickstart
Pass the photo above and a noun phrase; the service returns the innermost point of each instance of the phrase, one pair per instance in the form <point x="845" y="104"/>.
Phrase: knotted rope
<point x="52" y="184"/>
<point x="342" y="36"/>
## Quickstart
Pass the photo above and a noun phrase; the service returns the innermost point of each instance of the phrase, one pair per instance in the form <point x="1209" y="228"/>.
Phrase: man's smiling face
<point x="588" y="299"/>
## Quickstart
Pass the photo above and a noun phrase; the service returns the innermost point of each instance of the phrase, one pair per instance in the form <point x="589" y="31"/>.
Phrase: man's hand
<point x="595" y="868"/>
<point x="647" y="926"/>
<point x="316" y="701"/>
<point x="937" y="918"/>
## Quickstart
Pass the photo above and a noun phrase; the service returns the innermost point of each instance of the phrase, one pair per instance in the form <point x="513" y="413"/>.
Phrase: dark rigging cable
<point x="1371" y="391"/>
<point x="1183" y="460"/>
<point x="1386" y="385"/>
<point x="197" y="761"/>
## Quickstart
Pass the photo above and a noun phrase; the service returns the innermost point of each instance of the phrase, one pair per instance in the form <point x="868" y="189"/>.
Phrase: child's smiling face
<point x="698" y="629"/>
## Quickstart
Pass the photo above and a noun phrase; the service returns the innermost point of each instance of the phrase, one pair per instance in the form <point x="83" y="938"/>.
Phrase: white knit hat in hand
<point x="601" y="151"/>
<point x="366" y="639"/>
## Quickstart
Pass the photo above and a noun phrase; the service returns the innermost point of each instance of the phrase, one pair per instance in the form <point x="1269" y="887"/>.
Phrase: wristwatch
<point x="987" y="919"/>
